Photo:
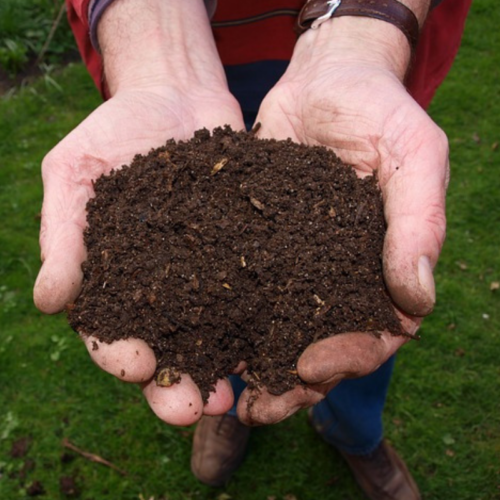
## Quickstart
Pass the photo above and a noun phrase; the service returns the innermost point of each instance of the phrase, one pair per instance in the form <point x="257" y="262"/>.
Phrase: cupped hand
<point x="362" y="111"/>
<point x="131" y="122"/>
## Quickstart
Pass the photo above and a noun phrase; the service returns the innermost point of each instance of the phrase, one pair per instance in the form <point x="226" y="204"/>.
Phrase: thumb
<point x="60" y="277"/>
<point x="61" y="240"/>
<point x="414" y="198"/>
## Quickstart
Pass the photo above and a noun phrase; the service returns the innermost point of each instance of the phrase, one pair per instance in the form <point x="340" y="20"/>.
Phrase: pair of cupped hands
<point x="361" y="111"/>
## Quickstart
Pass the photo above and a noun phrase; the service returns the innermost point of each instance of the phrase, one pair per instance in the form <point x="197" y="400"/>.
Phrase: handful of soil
<point x="229" y="248"/>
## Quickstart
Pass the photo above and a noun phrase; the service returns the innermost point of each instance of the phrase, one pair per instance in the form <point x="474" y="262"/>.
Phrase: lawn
<point x="443" y="409"/>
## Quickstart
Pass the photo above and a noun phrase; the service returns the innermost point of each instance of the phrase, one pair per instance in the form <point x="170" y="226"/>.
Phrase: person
<point x="359" y="85"/>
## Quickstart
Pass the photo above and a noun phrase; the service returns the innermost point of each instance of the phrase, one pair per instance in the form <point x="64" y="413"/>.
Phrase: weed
<point x="30" y="29"/>
<point x="13" y="56"/>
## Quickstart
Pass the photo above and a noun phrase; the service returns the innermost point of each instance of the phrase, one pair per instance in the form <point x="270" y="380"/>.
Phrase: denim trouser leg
<point x="238" y="386"/>
<point x="350" y="417"/>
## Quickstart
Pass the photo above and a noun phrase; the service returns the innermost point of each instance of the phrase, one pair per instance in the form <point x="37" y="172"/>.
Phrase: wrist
<point x="359" y="41"/>
<point x="382" y="34"/>
<point x="151" y="44"/>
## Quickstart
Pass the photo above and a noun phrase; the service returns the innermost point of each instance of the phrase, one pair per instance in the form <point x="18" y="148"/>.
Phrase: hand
<point x="131" y="122"/>
<point x="161" y="92"/>
<point x="355" y="103"/>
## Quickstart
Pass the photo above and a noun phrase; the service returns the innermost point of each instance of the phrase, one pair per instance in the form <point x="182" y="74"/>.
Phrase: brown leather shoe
<point x="219" y="447"/>
<point x="383" y="475"/>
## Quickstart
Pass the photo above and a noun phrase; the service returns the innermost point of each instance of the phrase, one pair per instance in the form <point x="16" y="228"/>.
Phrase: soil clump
<point x="227" y="248"/>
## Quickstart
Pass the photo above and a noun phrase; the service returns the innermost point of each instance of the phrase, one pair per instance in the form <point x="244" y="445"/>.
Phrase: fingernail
<point x="426" y="278"/>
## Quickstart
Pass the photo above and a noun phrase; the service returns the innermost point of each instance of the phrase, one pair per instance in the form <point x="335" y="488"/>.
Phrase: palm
<point x="131" y="122"/>
<point x="369" y="126"/>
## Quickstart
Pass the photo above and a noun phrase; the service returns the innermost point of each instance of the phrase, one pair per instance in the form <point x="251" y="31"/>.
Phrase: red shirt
<point x="260" y="30"/>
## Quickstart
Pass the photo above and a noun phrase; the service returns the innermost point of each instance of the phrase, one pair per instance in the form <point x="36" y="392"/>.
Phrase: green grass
<point x="443" y="410"/>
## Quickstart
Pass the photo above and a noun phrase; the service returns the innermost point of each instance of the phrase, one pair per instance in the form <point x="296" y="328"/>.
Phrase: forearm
<point x="155" y="43"/>
<point x="362" y="40"/>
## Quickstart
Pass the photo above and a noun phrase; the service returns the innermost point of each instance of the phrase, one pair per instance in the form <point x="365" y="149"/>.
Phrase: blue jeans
<point x="350" y="417"/>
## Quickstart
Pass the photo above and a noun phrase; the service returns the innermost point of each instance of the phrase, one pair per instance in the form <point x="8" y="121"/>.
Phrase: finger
<point x="220" y="401"/>
<point x="61" y="239"/>
<point x="179" y="404"/>
<point x="266" y="125"/>
<point x="131" y="360"/>
<point x="414" y="200"/>
<point x="259" y="407"/>
<point x="322" y="366"/>
<point x="346" y="355"/>
<point x="242" y="366"/>
<point x="60" y="277"/>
